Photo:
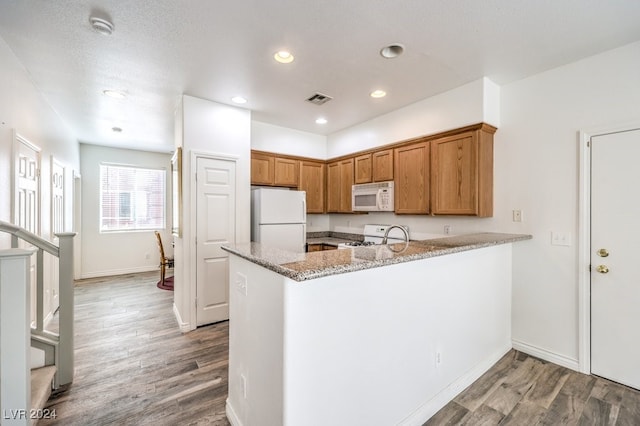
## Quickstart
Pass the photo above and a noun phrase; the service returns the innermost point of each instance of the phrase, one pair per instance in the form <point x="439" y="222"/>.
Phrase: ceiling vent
<point x="319" y="99"/>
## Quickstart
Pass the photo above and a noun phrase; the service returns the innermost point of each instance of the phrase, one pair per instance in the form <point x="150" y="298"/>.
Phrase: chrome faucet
<point x="402" y="228"/>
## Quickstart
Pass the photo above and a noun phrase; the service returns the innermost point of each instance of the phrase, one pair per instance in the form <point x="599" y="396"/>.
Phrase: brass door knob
<point x="603" y="252"/>
<point x="602" y="269"/>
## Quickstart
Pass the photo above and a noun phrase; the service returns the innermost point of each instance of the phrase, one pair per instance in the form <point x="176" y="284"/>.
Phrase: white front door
<point x="27" y="200"/>
<point x="615" y="277"/>
<point x="216" y="226"/>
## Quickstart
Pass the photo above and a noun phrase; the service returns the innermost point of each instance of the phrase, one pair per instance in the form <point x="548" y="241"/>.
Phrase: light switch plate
<point x="560" y="238"/>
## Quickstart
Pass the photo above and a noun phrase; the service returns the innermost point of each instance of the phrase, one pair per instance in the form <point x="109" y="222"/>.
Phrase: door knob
<point x="602" y="269"/>
<point x="603" y="252"/>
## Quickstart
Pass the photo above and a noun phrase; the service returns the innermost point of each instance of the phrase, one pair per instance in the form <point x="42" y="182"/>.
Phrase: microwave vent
<point x="319" y="99"/>
<point x="377" y="185"/>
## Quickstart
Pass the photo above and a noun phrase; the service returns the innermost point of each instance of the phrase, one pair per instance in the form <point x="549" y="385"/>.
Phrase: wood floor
<point x="134" y="367"/>
<point x="523" y="390"/>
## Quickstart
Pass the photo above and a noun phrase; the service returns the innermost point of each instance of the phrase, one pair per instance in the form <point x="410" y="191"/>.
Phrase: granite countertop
<point x="308" y="266"/>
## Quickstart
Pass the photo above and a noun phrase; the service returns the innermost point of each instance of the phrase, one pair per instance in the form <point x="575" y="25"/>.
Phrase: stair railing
<point x="15" y="315"/>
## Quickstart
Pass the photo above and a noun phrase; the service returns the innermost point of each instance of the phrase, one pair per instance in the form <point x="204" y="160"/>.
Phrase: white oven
<point x="372" y="197"/>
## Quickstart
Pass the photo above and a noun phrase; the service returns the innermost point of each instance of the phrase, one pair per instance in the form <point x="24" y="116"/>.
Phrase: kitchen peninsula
<point x="364" y="336"/>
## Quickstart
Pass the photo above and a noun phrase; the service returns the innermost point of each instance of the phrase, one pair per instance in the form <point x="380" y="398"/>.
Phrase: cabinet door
<point x="333" y="187"/>
<point x="383" y="165"/>
<point x="462" y="174"/>
<point x="363" y="168"/>
<point x="346" y="182"/>
<point x="314" y="247"/>
<point x="454" y="168"/>
<point x="261" y="169"/>
<point x="412" y="179"/>
<point x="312" y="182"/>
<point x="286" y="172"/>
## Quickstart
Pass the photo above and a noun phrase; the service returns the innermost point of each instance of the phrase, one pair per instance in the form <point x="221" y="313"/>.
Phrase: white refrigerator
<point x="279" y="218"/>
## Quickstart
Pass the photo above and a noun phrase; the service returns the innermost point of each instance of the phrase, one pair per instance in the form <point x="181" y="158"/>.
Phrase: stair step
<point x="41" y="379"/>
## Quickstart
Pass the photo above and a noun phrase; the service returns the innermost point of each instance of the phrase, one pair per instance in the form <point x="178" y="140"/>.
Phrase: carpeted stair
<point x="41" y="383"/>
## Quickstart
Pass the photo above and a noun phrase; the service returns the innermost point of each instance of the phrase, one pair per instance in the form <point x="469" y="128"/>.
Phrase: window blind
<point x="131" y="198"/>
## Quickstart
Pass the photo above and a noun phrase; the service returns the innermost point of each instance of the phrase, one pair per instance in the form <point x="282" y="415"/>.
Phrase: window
<point x="131" y="198"/>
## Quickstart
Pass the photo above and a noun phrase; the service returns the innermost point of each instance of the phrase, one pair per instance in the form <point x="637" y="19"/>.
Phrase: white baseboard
<point x="546" y="355"/>
<point x="231" y="415"/>
<point x="431" y="407"/>
<point x="184" y="326"/>
<point x="111" y="272"/>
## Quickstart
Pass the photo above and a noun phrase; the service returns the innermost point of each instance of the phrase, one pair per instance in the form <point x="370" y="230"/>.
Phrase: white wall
<point x="459" y="107"/>
<point x="270" y="138"/>
<point x="208" y="127"/>
<point x="23" y="109"/>
<point x="114" y="253"/>
<point x="476" y="102"/>
<point x="537" y="171"/>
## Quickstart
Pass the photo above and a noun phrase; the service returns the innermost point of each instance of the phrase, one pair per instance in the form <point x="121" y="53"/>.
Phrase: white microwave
<point x="372" y="197"/>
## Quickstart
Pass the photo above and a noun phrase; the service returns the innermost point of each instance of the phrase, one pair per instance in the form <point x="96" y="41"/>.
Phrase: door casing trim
<point x="584" y="236"/>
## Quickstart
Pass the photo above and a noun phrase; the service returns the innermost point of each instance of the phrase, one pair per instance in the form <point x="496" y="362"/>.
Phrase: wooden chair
<point x="165" y="262"/>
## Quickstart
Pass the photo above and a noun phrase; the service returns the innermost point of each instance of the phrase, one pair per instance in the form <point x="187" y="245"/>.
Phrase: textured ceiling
<point x="161" y="49"/>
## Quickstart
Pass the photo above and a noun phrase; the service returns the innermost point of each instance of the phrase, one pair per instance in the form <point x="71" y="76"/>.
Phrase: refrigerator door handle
<point x="304" y="210"/>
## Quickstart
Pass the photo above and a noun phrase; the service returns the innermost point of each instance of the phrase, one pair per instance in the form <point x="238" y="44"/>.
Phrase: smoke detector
<point x="101" y="25"/>
<point x="319" y="99"/>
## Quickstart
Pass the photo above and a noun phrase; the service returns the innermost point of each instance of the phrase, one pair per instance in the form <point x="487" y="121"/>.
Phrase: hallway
<point x="134" y="366"/>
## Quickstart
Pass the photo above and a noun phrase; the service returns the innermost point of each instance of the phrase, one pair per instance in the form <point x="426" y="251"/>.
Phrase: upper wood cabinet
<point x="262" y="170"/>
<point x="462" y="174"/>
<point x="312" y="181"/>
<point x="270" y="169"/>
<point x="374" y="167"/>
<point x="412" y="178"/>
<point x="382" y="165"/>
<point x="286" y="172"/>
<point x="362" y="164"/>
<point x="340" y="178"/>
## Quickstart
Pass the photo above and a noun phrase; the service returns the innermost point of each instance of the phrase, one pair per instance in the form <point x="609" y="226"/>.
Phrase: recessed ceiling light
<point x="392" y="51"/>
<point x="116" y="129"/>
<point x="321" y="120"/>
<point x="239" y="100"/>
<point x="103" y="26"/>
<point x="378" y="94"/>
<point x="116" y="94"/>
<point x="283" y="56"/>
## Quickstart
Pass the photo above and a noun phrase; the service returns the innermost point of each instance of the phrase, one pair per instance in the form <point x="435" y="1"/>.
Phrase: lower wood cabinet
<point x="320" y="247"/>
<point x="412" y="178"/>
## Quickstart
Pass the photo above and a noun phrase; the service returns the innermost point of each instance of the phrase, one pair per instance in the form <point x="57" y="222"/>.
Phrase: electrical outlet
<point x="438" y="359"/>
<point x="147" y="256"/>
<point x="560" y="238"/>
<point x="241" y="283"/>
<point x="243" y="386"/>
<point x="517" y="215"/>
<point x="447" y="229"/>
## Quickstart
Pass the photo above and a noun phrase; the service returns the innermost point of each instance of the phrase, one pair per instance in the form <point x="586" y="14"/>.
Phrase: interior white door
<point x="216" y="226"/>
<point x="615" y="278"/>
<point x="57" y="226"/>
<point x="27" y="200"/>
